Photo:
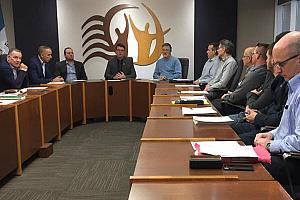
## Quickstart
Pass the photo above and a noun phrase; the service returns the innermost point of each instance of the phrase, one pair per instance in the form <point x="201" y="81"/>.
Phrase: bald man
<point x="286" y="137"/>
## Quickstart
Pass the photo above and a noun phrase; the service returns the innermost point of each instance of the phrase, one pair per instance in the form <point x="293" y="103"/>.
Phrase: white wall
<point x="7" y="11"/>
<point x="175" y="14"/>
<point x="256" y="21"/>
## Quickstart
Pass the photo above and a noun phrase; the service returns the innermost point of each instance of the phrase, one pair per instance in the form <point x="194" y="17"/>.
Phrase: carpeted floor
<point x="93" y="161"/>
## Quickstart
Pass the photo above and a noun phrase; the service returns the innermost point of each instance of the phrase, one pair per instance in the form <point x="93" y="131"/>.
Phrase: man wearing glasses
<point x="120" y="66"/>
<point x="286" y="137"/>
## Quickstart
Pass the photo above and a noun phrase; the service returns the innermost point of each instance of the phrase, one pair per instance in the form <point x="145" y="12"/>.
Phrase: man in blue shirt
<point x="70" y="69"/>
<point x="168" y="67"/>
<point x="286" y="137"/>
<point x="211" y="65"/>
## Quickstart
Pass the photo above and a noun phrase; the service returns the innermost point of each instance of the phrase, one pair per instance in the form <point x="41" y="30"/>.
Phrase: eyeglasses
<point x="282" y="63"/>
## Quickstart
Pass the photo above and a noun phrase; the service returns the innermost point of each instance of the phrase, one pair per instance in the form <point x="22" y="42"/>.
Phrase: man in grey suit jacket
<point x="70" y="69"/>
<point x="234" y="102"/>
<point x="120" y="67"/>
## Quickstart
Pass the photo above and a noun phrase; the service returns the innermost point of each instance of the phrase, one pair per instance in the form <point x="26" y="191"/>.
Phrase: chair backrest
<point x="184" y="66"/>
<point x="234" y="81"/>
<point x="2" y="57"/>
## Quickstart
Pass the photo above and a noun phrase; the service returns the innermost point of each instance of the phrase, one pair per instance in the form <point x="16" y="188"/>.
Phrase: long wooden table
<point x="209" y="190"/>
<point x="186" y="130"/>
<point x="162" y="170"/>
<point x="169" y="161"/>
<point x="8" y="144"/>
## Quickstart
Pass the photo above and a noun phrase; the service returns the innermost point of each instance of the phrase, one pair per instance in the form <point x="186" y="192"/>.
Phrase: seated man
<point x="120" y="66"/>
<point x="168" y="67"/>
<point x="286" y="137"/>
<point x="227" y="68"/>
<point x="211" y="65"/>
<point x="70" y="69"/>
<point x="39" y="69"/>
<point x="235" y="102"/>
<point x="13" y="73"/>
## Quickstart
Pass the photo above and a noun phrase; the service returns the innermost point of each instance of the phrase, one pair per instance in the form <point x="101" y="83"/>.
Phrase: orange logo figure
<point x="144" y="39"/>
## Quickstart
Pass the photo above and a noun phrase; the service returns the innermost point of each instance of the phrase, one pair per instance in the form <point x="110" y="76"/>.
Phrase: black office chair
<point x="184" y="67"/>
<point x="290" y="158"/>
<point x="3" y="56"/>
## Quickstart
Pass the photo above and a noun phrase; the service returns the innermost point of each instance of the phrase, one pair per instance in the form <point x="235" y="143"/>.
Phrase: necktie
<point x="15" y="74"/>
<point x="43" y="67"/>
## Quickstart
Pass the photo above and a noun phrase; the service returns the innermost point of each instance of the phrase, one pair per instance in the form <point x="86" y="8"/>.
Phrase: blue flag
<point x="3" y="39"/>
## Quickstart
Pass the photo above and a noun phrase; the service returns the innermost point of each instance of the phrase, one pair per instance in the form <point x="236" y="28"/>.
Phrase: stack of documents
<point x="198" y="111"/>
<point x="224" y="149"/>
<point x="193" y="92"/>
<point x="223" y="119"/>
<point x="11" y="96"/>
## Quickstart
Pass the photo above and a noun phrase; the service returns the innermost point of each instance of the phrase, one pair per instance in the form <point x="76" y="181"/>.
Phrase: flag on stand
<point x="3" y="39"/>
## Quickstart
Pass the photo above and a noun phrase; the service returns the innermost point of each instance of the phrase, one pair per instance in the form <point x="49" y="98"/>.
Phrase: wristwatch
<point x="268" y="146"/>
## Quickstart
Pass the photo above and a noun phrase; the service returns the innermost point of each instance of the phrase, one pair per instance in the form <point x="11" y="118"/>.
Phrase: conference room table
<point x="8" y="145"/>
<point x="186" y="130"/>
<point x="165" y="145"/>
<point x="208" y="190"/>
<point x="28" y="129"/>
<point x="169" y="161"/>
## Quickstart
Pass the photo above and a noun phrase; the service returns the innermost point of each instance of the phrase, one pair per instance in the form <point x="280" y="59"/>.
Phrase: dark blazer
<point x="271" y="114"/>
<point x="7" y="80"/>
<point x="253" y="79"/>
<point x="35" y="72"/>
<point x="61" y="70"/>
<point x="127" y="68"/>
<point x="260" y="101"/>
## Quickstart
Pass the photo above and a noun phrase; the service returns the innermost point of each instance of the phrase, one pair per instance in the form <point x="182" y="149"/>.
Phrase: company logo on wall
<point x="101" y="31"/>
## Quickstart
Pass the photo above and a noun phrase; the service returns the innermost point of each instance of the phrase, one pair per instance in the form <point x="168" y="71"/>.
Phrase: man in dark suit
<point x="120" y="67"/>
<point x="39" y="69"/>
<point x="13" y="73"/>
<point x="70" y="69"/>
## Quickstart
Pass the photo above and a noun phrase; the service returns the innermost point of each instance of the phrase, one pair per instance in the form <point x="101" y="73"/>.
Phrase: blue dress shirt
<point x="171" y="68"/>
<point x="209" y="69"/>
<point x="287" y="135"/>
<point x="71" y="72"/>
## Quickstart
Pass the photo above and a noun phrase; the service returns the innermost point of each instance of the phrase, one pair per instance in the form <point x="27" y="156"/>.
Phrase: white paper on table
<point x="37" y="88"/>
<point x="222" y="119"/>
<point x="193" y="92"/>
<point x="56" y="83"/>
<point x="78" y="80"/>
<point x="225" y="149"/>
<point x="182" y="79"/>
<point x="7" y="102"/>
<point x="196" y="86"/>
<point x="198" y="111"/>
<point x="192" y="97"/>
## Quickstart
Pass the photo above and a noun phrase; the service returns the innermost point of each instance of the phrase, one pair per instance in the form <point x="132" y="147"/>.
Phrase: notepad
<point x="198" y="111"/>
<point x="193" y="92"/>
<point x="222" y="119"/>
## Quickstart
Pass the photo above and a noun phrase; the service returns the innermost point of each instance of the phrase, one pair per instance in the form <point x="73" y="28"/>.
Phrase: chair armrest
<point x="291" y="155"/>
<point x="267" y="128"/>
